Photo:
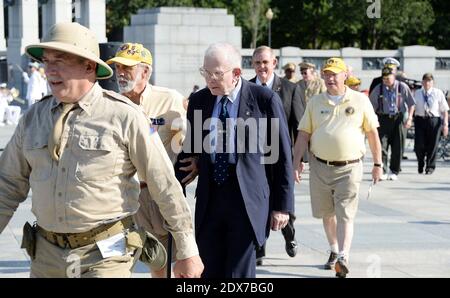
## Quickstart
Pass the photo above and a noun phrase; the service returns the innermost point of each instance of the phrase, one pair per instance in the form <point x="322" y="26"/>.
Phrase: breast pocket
<point x="96" y="157"/>
<point x="38" y="156"/>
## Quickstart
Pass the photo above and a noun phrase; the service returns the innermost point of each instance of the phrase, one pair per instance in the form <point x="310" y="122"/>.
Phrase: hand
<point x="376" y="174"/>
<point x="279" y="220"/>
<point x="189" y="268"/>
<point x="192" y="168"/>
<point x="445" y="130"/>
<point x="298" y="172"/>
<point x="408" y="123"/>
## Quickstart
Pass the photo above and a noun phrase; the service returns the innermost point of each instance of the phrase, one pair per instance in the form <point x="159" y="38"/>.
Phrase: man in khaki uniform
<point x="311" y="84"/>
<point x="334" y="125"/>
<point x="164" y="107"/>
<point x="78" y="150"/>
<point x="289" y="72"/>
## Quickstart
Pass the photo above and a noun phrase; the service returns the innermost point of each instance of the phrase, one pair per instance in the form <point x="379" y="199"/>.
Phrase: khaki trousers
<point x="52" y="261"/>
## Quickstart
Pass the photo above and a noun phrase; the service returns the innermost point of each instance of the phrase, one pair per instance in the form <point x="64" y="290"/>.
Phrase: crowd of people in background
<point x="402" y="114"/>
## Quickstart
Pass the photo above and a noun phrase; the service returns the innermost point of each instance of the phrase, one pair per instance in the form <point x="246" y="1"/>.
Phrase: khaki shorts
<point x="334" y="190"/>
<point x="150" y="219"/>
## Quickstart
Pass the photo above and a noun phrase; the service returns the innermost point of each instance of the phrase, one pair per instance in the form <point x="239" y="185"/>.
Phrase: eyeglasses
<point x="217" y="75"/>
<point x="304" y="72"/>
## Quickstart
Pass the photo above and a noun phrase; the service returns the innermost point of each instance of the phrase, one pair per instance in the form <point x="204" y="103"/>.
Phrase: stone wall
<point x="178" y="38"/>
<point x="366" y="64"/>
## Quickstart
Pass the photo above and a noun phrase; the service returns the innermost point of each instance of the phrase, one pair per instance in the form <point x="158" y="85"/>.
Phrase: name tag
<point x="158" y="121"/>
<point x="112" y="246"/>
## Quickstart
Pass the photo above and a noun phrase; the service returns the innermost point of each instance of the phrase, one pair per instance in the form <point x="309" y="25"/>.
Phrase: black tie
<point x="221" y="164"/>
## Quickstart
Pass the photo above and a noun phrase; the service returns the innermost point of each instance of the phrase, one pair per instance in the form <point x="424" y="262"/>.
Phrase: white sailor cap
<point x="391" y="61"/>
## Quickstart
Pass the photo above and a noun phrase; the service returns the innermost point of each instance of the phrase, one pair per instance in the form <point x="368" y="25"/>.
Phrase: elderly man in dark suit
<point x="232" y="124"/>
<point x="264" y="62"/>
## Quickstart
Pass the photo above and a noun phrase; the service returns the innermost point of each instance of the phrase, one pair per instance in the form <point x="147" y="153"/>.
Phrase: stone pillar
<point x="352" y="58"/>
<point x="2" y="28"/>
<point x="418" y="60"/>
<point x="92" y="14"/>
<point x="55" y="11"/>
<point x="178" y="38"/>
<point x="23" y="30"/>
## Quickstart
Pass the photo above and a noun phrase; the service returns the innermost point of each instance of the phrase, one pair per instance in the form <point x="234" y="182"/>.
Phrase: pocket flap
<point x="35" y="141"/>
<point x="96" y="142"/>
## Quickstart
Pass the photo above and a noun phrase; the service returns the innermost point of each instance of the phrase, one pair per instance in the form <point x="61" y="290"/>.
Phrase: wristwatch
<point x="379" y="165"/>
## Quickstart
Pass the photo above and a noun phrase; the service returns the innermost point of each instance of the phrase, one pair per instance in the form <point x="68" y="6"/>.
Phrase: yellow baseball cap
<point x="131" y="54"/>
<point x="335" y="65"/>
<point x="352" y="81"/>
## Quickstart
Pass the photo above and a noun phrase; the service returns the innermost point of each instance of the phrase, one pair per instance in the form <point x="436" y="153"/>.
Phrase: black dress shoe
<point x="330" y="264"/>
<point x="259" y="262"/>
<point x="420" y="166"/>
<point x="291" y="248"/>
<point x="429" y="171"/>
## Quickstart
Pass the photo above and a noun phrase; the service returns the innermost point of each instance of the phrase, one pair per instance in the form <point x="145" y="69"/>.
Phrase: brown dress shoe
<point x="341" y="268"/>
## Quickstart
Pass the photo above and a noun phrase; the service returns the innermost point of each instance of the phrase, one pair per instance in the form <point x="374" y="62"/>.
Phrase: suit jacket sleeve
<point x="298" y="109"/>
<point x="283" y="180"/>
<point x="188" y="143"/>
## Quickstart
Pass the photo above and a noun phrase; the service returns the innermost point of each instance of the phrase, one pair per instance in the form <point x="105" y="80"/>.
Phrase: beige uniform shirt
<point x="338" y="130"/>
<point x="105" y="142"/>
<point x="312" y="88"/>
<point x="167" y="105"/>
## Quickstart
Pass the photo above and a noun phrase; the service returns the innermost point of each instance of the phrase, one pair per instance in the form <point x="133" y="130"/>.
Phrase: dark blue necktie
<point x="427" y="104"/>
<point x="221" y="164"/>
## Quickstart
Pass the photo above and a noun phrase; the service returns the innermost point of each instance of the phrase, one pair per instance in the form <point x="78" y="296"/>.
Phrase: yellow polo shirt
<point x="337" y="131"/>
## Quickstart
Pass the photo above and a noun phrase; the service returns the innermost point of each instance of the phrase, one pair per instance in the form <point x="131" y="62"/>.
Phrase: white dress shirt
<point x="436" y="102"/>
<point x="269" y="82"/>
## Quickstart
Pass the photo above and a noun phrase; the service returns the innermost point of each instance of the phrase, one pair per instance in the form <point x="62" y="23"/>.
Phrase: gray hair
<point x="231" y="53"/>
<point x="261" y="49"/>
<point x="149" y="69"/>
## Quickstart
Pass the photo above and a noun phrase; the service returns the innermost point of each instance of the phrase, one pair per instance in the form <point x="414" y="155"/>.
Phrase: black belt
<point x="390" y="116"/>
<point x="427" y="117"/>
<point x="338" y="163"/>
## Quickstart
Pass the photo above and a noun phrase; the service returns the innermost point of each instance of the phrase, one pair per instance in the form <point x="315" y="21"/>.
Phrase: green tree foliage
<point x="316" y="24"/>
<point x="249" y="14"/>
<point x="402" y="22"/>
<point x="439" y="34"/>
